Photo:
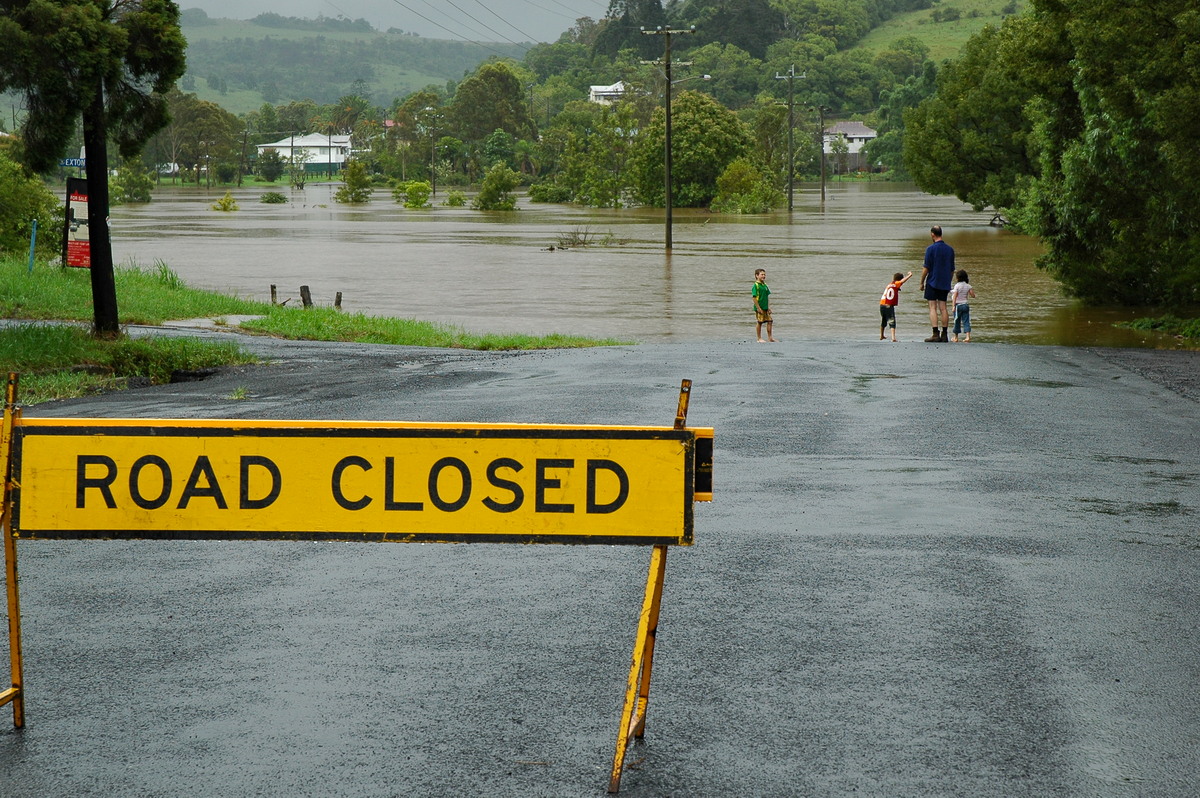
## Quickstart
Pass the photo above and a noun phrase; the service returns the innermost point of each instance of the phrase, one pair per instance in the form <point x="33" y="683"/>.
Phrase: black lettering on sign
<point x="594" y="467"/>
<point x="389" y="490"/>
<point x="244" y="500"/>
<point x="338" y="496"/>
<point x="544" y="483"/>
<point x="135" y="482"/>
<point x="192" y="489"/>
<point x="435" y="495"/>
<point x="518" y="494"/>
<point x="102" y="484"/>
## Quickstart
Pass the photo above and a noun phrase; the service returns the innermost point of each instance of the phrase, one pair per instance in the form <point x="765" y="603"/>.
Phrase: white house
<point x="319" y="152"/>
<point x="607" y="95"/>
<point x="855" y="134"/>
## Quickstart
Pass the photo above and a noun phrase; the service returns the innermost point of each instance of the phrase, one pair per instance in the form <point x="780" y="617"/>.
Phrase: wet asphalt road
<point x="930" y="570"/>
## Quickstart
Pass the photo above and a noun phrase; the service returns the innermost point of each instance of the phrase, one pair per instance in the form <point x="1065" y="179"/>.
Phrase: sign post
<point x="386" y="481"/>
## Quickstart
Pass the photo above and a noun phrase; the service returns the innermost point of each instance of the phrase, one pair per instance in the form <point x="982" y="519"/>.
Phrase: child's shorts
<point x="762" y="315"/>
<point x="888" y="315"/>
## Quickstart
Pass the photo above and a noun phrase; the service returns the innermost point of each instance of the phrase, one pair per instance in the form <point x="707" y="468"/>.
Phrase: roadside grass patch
<point x="1188" y="329"/>
<point x="328" y="324"/>
<point x="58" y="361"/>
<point x="145" y="295"/>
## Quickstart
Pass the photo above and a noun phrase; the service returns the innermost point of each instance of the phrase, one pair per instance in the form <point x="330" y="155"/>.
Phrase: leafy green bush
<point x="743" y="188"/>
<point x="413" y="193"/>
<point x="496" y="192"/>
<point x="273" y="198"/>
<point x="131" y="183"/>
<point x="225" y="204"/>
<point x="550" y="192"/>
<point x="23" y="199"/>
<point x="455" y="199"/>
<point x="356" y="184"/>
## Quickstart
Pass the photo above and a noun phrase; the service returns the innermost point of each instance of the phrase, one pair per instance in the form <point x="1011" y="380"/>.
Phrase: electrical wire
<point x="506" y="22"/>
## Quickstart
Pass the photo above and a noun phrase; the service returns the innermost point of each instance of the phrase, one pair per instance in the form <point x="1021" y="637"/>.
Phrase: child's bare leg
<point x="770" y="325"/>
<point x="758" y="331"/>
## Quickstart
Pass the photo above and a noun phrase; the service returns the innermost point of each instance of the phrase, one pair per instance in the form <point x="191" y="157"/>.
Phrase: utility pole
<point x="667" y="33"/>
<point x="790" y="77"/>
<point x="821" y="109"/>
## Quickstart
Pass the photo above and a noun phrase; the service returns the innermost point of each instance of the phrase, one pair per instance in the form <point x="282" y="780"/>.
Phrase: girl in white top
<point x="959" y="294"/>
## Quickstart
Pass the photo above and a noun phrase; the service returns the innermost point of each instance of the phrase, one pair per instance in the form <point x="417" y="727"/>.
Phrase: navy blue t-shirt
<point x="939" y="259"/>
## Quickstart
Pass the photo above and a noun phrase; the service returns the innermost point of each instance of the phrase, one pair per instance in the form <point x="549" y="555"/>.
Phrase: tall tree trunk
<point x="104" y="287"/>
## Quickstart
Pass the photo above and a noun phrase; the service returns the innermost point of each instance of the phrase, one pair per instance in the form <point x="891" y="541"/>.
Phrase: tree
<point x="743" y="188"/>
<point x="109" y="61"/>
<point x="132" y="183"/>
<point x="1079" y="118"/>
<point x="971" y="138"/>
<point x="270" y="165"/>
<point x="495" y="194"/>
<point x="491" y="99"/>
<point x="356" y="184"/>
<point x="705" y="137"/>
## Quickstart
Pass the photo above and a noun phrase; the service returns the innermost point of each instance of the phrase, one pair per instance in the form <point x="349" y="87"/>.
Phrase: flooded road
<point x="495" y="271"/>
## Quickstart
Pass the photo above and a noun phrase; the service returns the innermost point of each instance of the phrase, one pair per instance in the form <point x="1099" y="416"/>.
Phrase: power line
<point x="455" y="34"/>
<point x="506" y="22"/>
<point x="491" y="29"/>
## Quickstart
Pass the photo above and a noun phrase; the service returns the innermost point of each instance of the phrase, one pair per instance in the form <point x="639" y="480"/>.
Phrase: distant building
<point x="318" y="152"/>
<point x="855" y="134"/>
<point x="607" y="95"/>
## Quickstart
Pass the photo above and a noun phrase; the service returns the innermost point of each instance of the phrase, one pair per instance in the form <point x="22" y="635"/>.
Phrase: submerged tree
<point x="109" y="61"/>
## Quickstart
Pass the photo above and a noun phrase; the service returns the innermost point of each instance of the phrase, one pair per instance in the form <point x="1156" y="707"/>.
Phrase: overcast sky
<point x="472" y="20"/>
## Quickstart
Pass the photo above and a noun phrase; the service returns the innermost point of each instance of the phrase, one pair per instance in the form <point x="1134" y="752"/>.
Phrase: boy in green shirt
<point x="762" y="310"/>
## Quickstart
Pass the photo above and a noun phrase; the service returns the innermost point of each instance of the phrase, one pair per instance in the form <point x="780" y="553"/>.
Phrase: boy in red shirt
<point x="888" y="302"/>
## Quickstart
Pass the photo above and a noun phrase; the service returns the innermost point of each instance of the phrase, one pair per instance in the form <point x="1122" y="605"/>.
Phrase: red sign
<point x="77" y="247"/>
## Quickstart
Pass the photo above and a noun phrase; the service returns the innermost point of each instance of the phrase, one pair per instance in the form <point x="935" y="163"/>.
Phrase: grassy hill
<point x="944" y="38"/>
<point x="239" y="64"/>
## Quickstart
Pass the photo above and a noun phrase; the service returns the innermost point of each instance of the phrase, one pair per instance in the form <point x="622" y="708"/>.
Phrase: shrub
<point x="413" y="193"/>
<point x="496" y="192"/>
<point x="226" y="203"/>
<point x="23" y="199"/>
<point x="273" y="198"/>
<point x="550" y="192"/>
<point x="742" y="188"/>
<point x="356" y="184"/>
<point x="455" y="199"/>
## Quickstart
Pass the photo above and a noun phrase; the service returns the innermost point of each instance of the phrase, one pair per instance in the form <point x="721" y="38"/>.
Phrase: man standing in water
<point x="937" y="277"/>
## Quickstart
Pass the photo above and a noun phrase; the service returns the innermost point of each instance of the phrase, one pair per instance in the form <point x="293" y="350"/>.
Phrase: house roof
<point x="309" y="140"/>
<point x="855" y="130"/>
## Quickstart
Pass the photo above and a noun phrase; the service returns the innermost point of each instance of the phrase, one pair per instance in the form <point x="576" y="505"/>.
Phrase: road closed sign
<point x="343" y="480"/>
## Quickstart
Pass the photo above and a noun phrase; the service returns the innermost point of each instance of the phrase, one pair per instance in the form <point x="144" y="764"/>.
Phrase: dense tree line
<point x="1077" y="119"/>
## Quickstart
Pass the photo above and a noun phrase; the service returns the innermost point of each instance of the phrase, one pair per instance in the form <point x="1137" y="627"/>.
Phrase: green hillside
<point x="944" y="37"/>
<point x="240" y="64"/>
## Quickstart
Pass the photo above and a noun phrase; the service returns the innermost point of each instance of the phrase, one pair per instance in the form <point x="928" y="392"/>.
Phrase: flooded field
<point x="496" y="271"/>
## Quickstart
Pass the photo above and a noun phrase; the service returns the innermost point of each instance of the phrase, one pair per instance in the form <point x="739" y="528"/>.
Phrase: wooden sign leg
<point x="637" y="689"/>
<point x="15" y="694"/>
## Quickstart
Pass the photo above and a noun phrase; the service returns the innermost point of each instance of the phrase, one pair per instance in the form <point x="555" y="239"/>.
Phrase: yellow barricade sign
<point x="343" y="480"/>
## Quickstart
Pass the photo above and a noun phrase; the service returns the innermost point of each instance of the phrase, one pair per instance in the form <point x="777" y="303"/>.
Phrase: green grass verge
<point x="1187" y="329"/>
<point x="328" y="324"/>
<point x="61" y="361"/>
<point x="144" y="295"/>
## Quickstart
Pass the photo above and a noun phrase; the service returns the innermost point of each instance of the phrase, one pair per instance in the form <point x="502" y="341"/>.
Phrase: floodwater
<point x="495" y="271"/>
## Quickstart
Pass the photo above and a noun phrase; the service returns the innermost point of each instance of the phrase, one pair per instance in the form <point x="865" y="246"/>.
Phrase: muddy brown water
<point x="495" y="271"/>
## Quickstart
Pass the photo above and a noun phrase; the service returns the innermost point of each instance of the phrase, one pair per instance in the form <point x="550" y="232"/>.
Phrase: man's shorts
<point x="937" y="294"/>
<point x="763" y="315"/>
